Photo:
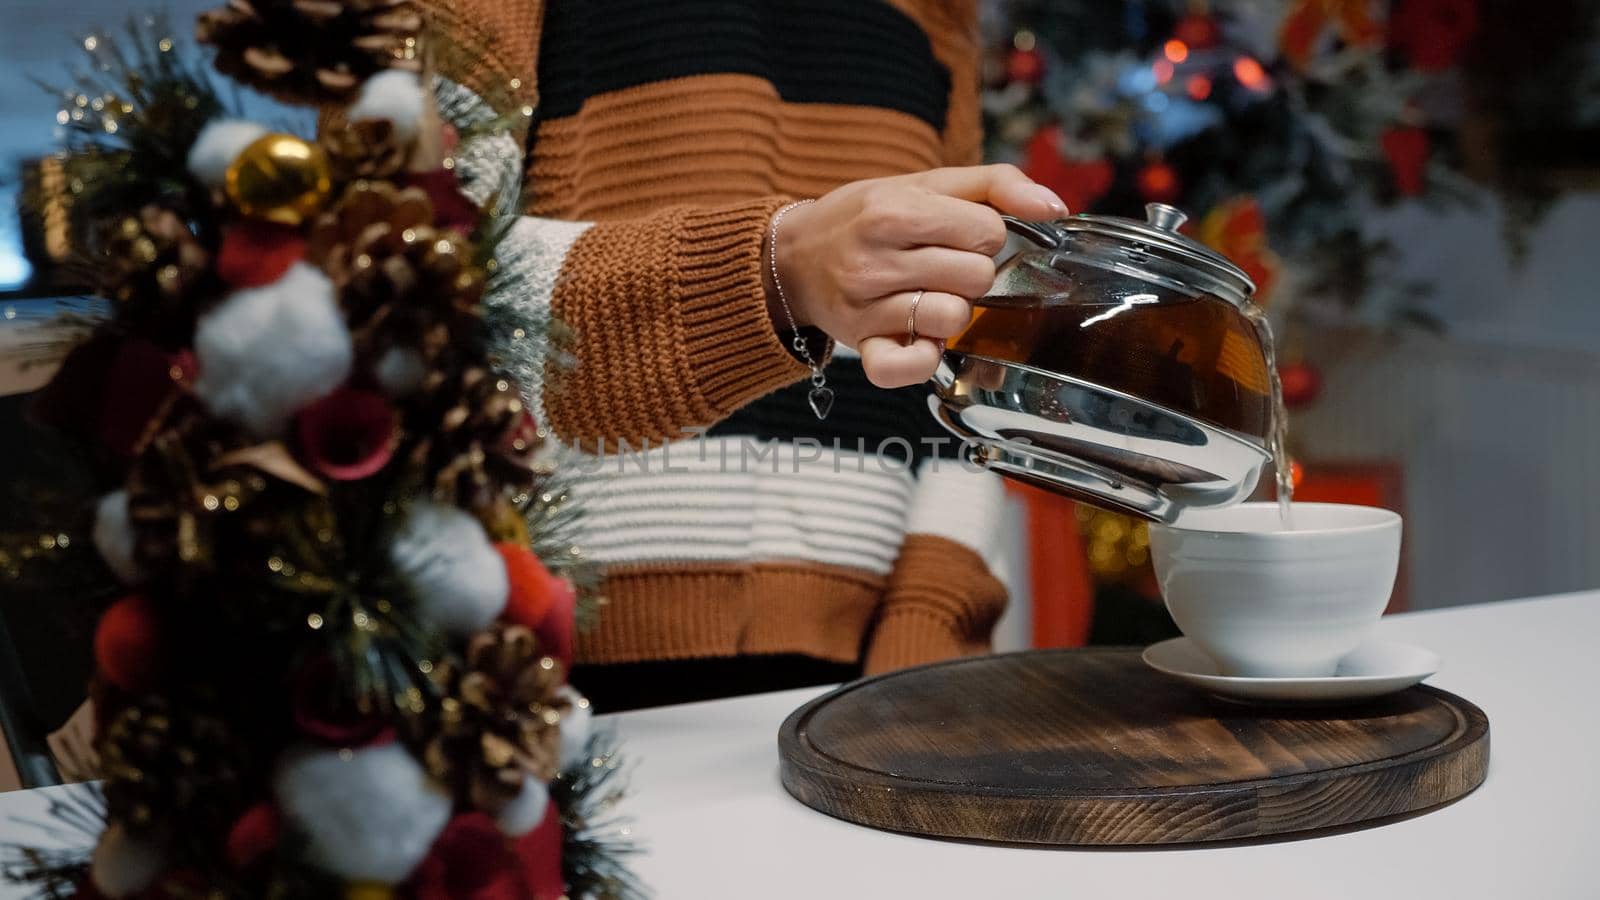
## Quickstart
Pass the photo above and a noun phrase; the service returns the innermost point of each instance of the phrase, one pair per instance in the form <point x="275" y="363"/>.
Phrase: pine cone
<point x="470" y="428"/>
<point x="403" y="282"/>
<point x="311" y="51"/>
<point x="363" y="149"/>
<point x="499" y="720"/>
<point x="157" y="269"/>
<point x="162" y="765"/>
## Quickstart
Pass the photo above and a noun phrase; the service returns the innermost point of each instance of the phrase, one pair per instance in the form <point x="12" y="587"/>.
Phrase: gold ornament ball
<point x="280" y="178"/>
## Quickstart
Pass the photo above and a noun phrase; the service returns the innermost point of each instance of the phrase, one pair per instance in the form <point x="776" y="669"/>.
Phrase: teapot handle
<point x="1044" y="234"/>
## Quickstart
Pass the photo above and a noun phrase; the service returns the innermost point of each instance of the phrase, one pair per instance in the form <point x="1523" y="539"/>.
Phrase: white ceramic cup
<point x="1265" y="602"/>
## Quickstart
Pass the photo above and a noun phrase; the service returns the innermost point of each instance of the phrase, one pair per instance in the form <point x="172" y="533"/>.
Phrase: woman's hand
<point x="852" y="262"/>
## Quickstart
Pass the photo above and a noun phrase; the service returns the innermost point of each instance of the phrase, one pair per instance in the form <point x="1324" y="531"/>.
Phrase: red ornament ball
<point x="1302" y="383"/>
<point x="451" y="208"/>
<point x="470" y="860"/>
<point x="1407" y="149"/>
<point x="539" y="852"/>
<point x="557" y="634"/>
<point x="1158" y="183"/>
<point x="1199" y="31"/>
<point x="253" y="836"/>
<point x="533" y="588"/>
<point x="128" y="645"/>
<point x="258" y="253"/>
<point x="1079" y="183"/>
<point x="1025" y="66"/>
<point x="1433" y="35"/>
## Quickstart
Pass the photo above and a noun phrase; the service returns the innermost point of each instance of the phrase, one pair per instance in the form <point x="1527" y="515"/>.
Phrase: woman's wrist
<point x="784" y="306"/>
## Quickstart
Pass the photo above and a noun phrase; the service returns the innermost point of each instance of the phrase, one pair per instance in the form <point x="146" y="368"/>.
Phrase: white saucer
<point x="1371" y="670"/>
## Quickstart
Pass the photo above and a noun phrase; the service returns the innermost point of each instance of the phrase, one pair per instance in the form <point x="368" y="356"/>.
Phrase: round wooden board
<point x="1091" y="747"/>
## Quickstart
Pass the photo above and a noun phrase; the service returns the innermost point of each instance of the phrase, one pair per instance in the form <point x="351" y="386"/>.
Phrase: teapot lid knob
<point x="1167" y="218"/>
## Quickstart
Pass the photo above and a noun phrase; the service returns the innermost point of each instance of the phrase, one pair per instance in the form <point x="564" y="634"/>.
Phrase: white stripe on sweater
<point x="831" y="507"/>
<point x="960" y="504"/>
<point x="517" y="307"/>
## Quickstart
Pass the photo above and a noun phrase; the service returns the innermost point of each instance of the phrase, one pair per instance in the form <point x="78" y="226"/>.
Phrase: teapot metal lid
<point x="1158" y="235"/>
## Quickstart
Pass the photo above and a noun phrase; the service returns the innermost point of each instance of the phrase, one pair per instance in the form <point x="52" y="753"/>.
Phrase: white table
<point x="717" y="824"/>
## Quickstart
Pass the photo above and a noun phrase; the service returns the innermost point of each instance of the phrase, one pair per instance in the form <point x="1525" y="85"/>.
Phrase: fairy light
<point x="1250" y="74"/>
<point x="1176" y="50"/>
<point x="1164" y="71"/>
<point x="1199" y="87"/>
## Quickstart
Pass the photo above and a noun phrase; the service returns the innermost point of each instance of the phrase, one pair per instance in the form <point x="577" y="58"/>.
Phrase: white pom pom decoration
<point x="400" y="371"/>
<point x="218" y="145"/>
<point x="575" y="727"/>
<point x="370" y="814"/>
<point x="268" y="351"/>
<point x="459" y="580"/>
<point x="122" y="865"/>
<point x="113" y="537"/>
<point x="524" y="814"/>
<point x="395" y="95"/>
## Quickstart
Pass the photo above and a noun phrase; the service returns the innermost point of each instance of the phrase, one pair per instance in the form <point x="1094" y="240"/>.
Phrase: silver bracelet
<point x="821" y="395"/>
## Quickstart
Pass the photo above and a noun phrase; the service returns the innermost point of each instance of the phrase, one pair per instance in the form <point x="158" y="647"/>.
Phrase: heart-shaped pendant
<point x="821" y="401"/>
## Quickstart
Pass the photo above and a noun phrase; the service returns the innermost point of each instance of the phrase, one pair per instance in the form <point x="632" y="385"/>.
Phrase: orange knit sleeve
<point x="943" y="598"/>
<point x="489" y="46"/>
<point x="669" y="325"/>
<point x="942" y="603"/>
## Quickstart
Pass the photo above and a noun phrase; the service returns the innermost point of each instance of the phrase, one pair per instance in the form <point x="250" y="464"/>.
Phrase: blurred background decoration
<point x="1282" y="125"/>
<point x="1290" y="131"/>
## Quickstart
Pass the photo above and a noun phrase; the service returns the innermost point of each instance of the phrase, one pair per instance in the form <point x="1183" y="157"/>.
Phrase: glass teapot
<point x="1118" y="362"/>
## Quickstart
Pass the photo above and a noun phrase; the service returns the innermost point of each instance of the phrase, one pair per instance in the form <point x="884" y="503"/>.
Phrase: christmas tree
<point x="334" y="664"/>
<point x="1282" y="125"/>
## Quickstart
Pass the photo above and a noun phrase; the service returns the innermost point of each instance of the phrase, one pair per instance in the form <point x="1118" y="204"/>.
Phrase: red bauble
<point x="557" y="632"/>
<point x="253" y="835"/>
<point x="451" y="208"/>
<point x="348" y="435"/>
<point x="1199" y="31"/>
<point x="470" y="860"/>
<point x="1407" y="150"/>
<point x="1025" y="66"/>
<point x="1433" y="34"/>
<point x="1302" y="383"/>
<point x="1078" y="183"/>
<point x="1158" y="183"/>
<point x="128" y="646"/>
<point x="258" y="253"/>
<point x="539" y="852"/>
<point x="533" y="588"/>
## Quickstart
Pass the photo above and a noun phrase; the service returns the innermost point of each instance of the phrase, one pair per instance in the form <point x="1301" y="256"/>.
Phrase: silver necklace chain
<point x="821" y="396"/>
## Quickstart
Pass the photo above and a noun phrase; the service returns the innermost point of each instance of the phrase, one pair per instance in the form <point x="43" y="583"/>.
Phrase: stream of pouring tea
<point x="1278" y="441"/>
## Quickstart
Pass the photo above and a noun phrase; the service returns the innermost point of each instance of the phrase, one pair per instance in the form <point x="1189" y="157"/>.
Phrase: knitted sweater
<point x="729" y="520"/>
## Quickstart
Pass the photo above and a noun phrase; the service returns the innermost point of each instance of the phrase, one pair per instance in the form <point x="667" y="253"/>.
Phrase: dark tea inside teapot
<point x="1116" y="361"/>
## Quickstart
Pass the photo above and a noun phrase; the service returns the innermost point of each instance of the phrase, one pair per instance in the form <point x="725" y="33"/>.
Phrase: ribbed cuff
<point x="697" y="610"/>
<point x="730" y="346"/>
<point x="942" y="603"/>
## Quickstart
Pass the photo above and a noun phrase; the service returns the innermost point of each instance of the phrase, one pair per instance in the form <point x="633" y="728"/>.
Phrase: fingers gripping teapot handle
<point x="1043" y="234"/>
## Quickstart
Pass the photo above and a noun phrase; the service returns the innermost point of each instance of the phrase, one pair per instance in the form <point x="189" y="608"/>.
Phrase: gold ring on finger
<point x="911" y="319"/>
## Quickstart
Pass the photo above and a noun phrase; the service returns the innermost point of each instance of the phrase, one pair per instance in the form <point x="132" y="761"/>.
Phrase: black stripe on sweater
<point x="859" y="52"/>
<point x="864" y="417"/>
